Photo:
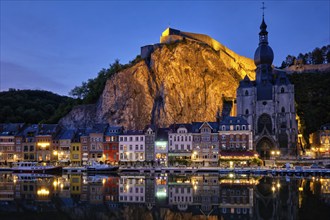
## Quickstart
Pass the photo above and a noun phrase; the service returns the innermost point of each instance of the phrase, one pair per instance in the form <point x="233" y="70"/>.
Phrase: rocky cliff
<point x="180" y="82"/>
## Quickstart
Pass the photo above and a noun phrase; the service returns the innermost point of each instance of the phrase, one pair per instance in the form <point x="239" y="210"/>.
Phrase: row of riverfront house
<point x="191" y="144"/>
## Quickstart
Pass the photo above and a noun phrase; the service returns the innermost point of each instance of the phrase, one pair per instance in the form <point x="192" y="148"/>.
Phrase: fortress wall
<point x="148" y="49"/>
<point x="239" y="62"/>
<point x="218" y="46"/>
<point x="170" y="39"/>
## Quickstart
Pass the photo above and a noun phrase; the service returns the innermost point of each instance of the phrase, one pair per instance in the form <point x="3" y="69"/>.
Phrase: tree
<point x="91" y="90"/>
<point x="317" y="56"/>
<point x="301" y="59"/>
<point x="79" y="92"/>
<point x="289" y="60"/>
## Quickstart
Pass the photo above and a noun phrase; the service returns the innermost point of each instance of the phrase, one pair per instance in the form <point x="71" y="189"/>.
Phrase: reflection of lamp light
<point x="300" y="189"/>
<point x="273" y="152"/>
<point x="278" y="185"/>
<point x="273" y="188"/>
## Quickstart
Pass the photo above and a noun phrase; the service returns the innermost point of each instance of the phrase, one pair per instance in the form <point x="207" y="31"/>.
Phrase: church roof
<point x="246" y="82"/>
<point x="281" y="78"/>
<point x="263" y="55"/>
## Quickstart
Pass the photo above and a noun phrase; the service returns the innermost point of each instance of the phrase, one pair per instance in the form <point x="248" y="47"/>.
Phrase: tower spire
<point x="263" y="34"/>
<point x="264" y="53"/>
<point x="263" y="10"/>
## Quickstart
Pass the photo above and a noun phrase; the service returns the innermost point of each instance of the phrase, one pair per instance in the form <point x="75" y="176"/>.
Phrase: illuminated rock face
<point x="181" y="82"/>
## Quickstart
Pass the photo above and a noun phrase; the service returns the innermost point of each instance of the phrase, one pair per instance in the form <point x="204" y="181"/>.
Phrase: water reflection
<point x="163" y="196"/>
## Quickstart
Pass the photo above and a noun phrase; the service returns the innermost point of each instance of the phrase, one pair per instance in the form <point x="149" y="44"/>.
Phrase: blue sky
<point x="55" y="45"/>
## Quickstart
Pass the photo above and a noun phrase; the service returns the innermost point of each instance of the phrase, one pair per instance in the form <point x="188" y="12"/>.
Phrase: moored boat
<point x="97" y="167"/>
<point x="30" y="177"/>
<point x="35" y="167"/>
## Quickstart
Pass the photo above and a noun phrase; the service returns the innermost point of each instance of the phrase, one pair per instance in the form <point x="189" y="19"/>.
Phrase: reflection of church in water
<point x="268" y="103"/>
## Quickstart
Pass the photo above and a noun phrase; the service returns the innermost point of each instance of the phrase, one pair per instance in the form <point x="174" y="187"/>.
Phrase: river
<point x="163" y="196"/>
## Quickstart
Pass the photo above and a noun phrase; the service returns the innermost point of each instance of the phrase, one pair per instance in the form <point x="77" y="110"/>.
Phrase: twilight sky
<point x="55" y="45"/>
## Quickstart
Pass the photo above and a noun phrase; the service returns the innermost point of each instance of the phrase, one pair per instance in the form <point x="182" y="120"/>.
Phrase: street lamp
<point x="300" y="143"/>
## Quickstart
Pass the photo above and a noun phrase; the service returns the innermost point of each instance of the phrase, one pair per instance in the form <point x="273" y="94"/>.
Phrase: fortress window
<point x="247" y="111"/>
<point x="282" y="90"/>
<point x="283" y="110"/>
<point x="246" y="93"/>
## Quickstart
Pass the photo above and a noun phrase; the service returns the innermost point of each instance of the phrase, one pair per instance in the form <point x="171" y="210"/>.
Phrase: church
<point x="268" y="104"/>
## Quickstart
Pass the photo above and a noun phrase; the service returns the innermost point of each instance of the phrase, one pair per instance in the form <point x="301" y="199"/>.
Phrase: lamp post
<point x="275" y="155"/>
<point x="300" y="143"/>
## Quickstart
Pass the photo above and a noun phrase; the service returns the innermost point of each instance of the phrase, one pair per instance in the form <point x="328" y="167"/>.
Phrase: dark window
<point x="283" y="140"/>
<point x="265" y="122"/>
<point x="282" y="90"/>
<point x="247" y="111"/>
<point x="246" y="93"/>
<point x="283" y="110"/>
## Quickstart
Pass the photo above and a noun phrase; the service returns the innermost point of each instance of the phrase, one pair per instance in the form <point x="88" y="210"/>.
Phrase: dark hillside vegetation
<point x="312" y="95"/>
<point x="33" y="106"/>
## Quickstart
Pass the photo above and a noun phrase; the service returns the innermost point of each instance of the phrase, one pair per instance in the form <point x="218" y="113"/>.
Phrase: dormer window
<point x="243" y="127"/>
<point x="223" y="128"/>
<point x="237" y="127"/>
